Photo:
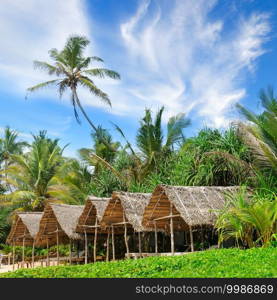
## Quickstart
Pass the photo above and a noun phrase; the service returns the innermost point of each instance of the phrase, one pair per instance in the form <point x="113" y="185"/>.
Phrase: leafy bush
<point x="256" y="262"/>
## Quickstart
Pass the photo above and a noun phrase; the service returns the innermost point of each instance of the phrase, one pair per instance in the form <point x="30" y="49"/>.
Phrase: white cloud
<point x="191" y="61"/>
<point x="175" y="54"/>
<point x="29" y="28"/>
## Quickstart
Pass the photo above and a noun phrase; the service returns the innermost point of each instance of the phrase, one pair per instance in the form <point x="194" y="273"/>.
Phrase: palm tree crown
<point x="72" y="70"/>
<point x="262" y="137"/>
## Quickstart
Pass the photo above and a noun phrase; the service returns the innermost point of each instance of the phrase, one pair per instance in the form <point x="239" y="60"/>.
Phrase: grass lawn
<point x="256" y="262"/>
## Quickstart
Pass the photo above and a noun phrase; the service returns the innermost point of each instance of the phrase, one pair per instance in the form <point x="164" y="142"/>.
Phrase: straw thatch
<point x="61" y="218"/>
<point x="92" y="213"/>
<point x="128" y="206"/>
<point x="25" y="227"/>
<point x="191" y="206"/>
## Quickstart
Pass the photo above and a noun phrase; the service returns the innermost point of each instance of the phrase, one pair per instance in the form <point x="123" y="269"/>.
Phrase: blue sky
<point x="197" y="57"/>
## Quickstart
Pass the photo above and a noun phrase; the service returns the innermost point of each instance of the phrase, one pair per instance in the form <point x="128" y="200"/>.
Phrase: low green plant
<point x="255" y="262"/>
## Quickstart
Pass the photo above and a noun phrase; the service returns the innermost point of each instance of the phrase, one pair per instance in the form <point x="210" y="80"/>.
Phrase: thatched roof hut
<point x="25" y="227"/>
<point x="189" y="206"/>
<point x="59" y="221"/>
<point x="126" y="207"/>
<point x="92" y="214"/>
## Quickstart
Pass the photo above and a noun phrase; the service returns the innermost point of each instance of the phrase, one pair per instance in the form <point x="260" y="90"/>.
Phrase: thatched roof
<point x="131" y="205"/>
<point x="61" y="217"/>
<point x="195" y="205"/>
<point x="94" y="208"/>
<point x="25" y="226"/>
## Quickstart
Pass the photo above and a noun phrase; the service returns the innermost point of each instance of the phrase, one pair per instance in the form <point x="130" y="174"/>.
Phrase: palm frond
<point x="86" y="82"/>
<point x="47" y="67"/>
<point x="43" y="85"/>
<point x="102" y="73"/>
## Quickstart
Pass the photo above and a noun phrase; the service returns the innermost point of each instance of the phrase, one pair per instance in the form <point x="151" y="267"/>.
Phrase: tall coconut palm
<point x="261" y="136"/>
<point x="73" y="70"/>
<point x="32" y="173"/>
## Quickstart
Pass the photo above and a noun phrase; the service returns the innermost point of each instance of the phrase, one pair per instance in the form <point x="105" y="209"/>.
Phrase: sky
<point x="194" y="57"/>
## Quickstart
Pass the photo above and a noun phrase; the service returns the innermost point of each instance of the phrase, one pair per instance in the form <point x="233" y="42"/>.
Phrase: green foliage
<point x="31" y="173"/>
<point x="72" y="183"/>
<point x="38" y="252"/>
<point x="262" y="136"/>
<point x="210" y="158"/>
<point x="234" y="263"/>
<point x="4" y="224"/>
<point x="250" y="221"/>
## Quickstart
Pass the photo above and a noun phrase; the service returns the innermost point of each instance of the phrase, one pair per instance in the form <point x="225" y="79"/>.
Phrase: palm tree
<point x="100" y="149"/>
<point x="10" y="145"/>
<point x="250" y="221"/>
<point x="72" y="69"/>
<point x="72" y="184"/>
<point x="32" y="173"/>
<point x="152" y="144"/>
<point x="261" y="137"/>
<point x="150" y="139"/>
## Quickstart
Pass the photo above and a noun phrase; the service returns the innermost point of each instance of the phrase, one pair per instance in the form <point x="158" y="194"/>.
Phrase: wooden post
<point x="185" y="238"/>
<point x="33" y="255"/>
<point x="191" y="239"/>
<point x="113" y="247"/>
<point x="108" y="245"/>
<point x="23" y="251"/>
<point x="139" y="243"/>
<point x="48" y="261"/>
<point x="156" y="237"/>
<point x="13" y="254"/>
<point x="202" y="238"/>
<point x="86" y="248"/>
<point x="95" y="241"/>
<point x="58" y="255"/>
<point x="70" y="252"/>
<point x="171" y="231"/>
<point x="125" y="236"/>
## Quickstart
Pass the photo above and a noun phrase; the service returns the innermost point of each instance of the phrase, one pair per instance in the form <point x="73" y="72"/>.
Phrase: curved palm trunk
<point x="6" y="176"/>
<point x="89" y="121"/>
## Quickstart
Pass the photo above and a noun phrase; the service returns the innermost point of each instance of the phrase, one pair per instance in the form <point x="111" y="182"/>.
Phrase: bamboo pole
<point x="139" y="243"/>
<point x="156" y="237"/>
<point x="70" y="252"/>
<point x="95" y="242"/>
<point x="171" y="231"/>
<point x="108" y="245"/>
<point x="185" y="238"/>
<point x="202" y="238"/>
<point x="33" y="254"/>
<point x="166" y="217"/>
<point x="58" y="255"/>
<point x="86" y="248"/>
<point x="191" y="239"/>
<point x="13" y="254"/>
<point x="48" y="261"/>
<point x="23" y="251"/>
<point x="125" y="236"/>
<point x="113" y="247"/>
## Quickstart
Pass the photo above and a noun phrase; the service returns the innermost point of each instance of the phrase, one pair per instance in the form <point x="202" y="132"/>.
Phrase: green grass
<point x="258" y="262"/>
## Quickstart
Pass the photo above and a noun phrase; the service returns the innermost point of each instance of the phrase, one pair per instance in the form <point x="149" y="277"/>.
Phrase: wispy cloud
<point x="188" y="61"/>
<point x="29" y="29"/>
<point x="173" y="53"/>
